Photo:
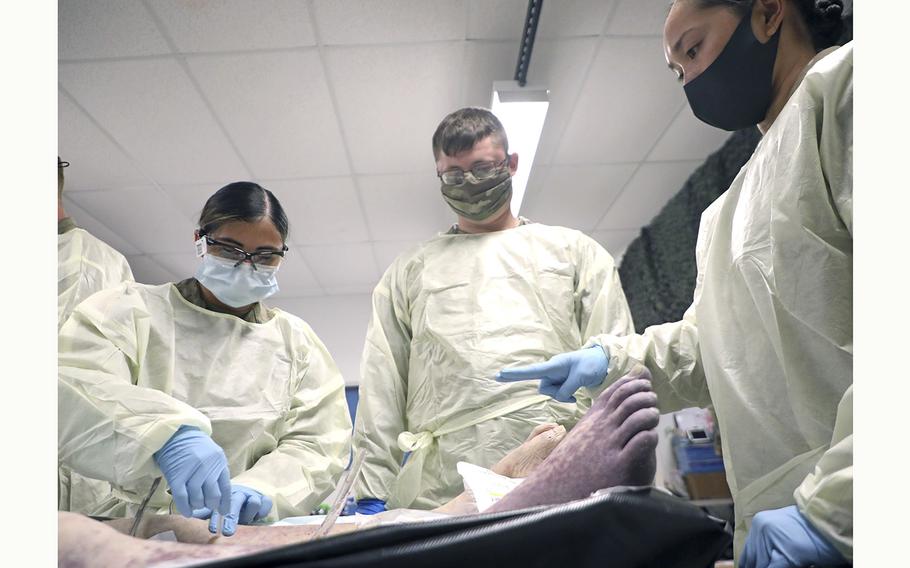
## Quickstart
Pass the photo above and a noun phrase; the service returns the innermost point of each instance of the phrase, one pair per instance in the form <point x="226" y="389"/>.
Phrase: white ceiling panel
<point x="646" y="194"/>
<point x="389" y="122"/>
<point x="561" y="67"/>
<point x="95" y="161"/>
<point x="181" y="265"/>
<point x="295" y="278"/>
<point x="485" y="62"/>
<point x="190" y="199"/>
<point x="688" y="139"/>
<point x="226" y="25"/>
<point x="97" y="228"/>
<point x="405" y="207"/>
<point x="616" y="242"/>
<point x="387" y="252"/>
<point x="321" y="211"/>
<point x="277" y="110"/>
<point x="106" y="28"/>
<point x="152" y="109"/>
<point x="144" y="217"/>
<point x="626" y="104"/>
<point x="347" y="22"/>
<point x="578" y="196"/>
<point x="147" y="271"/>
<point x="343" y="268"/>
<point x="505" y="19"/>
<point x="639" y="17"/>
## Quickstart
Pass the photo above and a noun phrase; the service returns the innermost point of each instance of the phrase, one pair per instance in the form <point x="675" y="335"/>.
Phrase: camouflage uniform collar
<point x="192" y="293"/>
<point x="65" y="225"/>
<point x="454" y="230"/>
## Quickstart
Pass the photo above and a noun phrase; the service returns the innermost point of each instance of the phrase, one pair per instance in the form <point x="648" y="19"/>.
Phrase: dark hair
<point x="242" y="201"/>
<point x="823" y="18"/>
<point x="462" y="129"/>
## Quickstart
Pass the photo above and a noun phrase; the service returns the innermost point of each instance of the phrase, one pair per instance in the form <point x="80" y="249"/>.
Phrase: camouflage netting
<point x="658" y="268"/>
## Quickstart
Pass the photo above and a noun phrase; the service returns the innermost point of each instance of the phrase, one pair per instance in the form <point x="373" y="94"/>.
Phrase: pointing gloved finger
<point x="224" y="484"/>
<point x="230" y="520"/>
<point x="213" y="522"/>
<point x="528" y="372"/>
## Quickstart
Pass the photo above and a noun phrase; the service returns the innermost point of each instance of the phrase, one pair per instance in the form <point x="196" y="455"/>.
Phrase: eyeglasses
<point x="230" y="252"/>
<point x="481" y="171"/>
<point x="62" y="164"/>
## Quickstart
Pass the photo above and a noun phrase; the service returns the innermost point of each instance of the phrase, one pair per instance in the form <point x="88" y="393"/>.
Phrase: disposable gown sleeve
<point x="108" y="427"/>
<point x="825" y="497"/>
<point x="383" y="389"/>
<point x="670" y="351"/>
<point x="600" y="303"/>
<point x="315" y="442"/>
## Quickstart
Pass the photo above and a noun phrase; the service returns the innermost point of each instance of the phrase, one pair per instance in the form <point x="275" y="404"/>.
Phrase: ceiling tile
<point x="616" y="242"/>
<point x="646" y="194"/>
<point x="224" y="25"/>
<point x="505" y="19"/>
<point x="279" y="115"/>
<point x="182" y="265"/>
<point x="95" y="162"/>
<point x="106" y="28"/>
<point x="321" y="211"/>
<point x="485" y="62"/>
<point x="190" y="199"/>
<point x="144" y="217"/>
<point x="626" y="104"/>
<point x="345" y="22"/>
<point x="342" y="268"/>
<point x="688" y="139"/>
<point x="147" y="271"/>
<point x="578" y="196"/>
<point x="387" y="252"/>
<point x="638" y="17"/>
<point x="153" y="111"/>
<point x="391" y="99"/>
<point x="96" y="227"/>
<point x="561" y="67"/>
<point x="405" y="207"/>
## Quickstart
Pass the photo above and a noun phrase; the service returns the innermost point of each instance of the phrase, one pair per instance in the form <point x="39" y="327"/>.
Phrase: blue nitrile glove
<point x="196" y="471"/>
<point x="370" y="506"/>
<point x="781" y="538"/>
<point x="247" y="506"/>
<point x="563" y="374"/>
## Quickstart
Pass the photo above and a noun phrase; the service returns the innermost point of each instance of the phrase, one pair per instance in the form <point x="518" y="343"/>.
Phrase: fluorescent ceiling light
<point x="522" y="111"/>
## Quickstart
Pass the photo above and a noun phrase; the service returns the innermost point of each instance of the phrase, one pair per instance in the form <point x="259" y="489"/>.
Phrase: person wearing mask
<point x="238" y="406"/>
<point x="85" y="265"/>
<point x="494" y="290"/>
<point x="768" y="339"/>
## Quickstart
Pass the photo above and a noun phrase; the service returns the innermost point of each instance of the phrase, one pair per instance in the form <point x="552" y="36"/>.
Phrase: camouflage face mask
<point x="478" y="199"/>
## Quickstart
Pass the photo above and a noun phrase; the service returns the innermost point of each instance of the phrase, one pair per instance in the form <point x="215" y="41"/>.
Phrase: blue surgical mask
<point x="237" y="286"/>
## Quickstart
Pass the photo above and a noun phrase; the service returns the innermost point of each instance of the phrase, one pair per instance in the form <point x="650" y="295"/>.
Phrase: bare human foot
<point x="614" y="444"/>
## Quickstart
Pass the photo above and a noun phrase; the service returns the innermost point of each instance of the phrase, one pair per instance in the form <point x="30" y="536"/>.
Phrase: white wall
<point x="339" y="321"/>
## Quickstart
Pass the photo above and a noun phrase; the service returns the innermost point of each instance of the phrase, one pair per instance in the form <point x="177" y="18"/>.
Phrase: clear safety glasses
<point x="232" y="253"/>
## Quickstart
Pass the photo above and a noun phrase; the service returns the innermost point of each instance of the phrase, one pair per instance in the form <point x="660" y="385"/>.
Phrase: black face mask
<point x="735" y="90"/>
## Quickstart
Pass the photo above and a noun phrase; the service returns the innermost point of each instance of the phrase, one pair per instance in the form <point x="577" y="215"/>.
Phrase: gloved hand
<point x="780" y="538"/>
<point x="196" y="471"/>
<point x="247" y="505"/>
<point x="563" y="374"/>
<point x="370" y="506"/>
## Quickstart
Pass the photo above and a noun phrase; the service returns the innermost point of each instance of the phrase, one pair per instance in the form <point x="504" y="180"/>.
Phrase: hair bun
<point x="829" y="9"/>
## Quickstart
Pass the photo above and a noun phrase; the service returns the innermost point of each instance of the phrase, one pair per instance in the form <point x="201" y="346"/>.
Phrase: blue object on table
<point x="696" y="458"/>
